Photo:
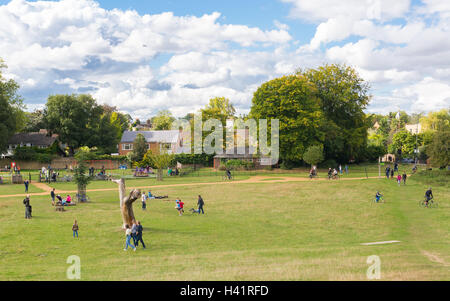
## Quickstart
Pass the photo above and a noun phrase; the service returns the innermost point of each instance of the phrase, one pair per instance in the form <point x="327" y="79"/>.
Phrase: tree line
<point x="321" y="114"/>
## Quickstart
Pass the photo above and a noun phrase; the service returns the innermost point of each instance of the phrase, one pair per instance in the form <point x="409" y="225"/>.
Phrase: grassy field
<point x="309" y="230"/>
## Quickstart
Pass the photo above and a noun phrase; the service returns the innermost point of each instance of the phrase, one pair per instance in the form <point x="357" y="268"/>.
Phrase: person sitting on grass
<point x="151" y="196"/>
<point x="378" y="196"/>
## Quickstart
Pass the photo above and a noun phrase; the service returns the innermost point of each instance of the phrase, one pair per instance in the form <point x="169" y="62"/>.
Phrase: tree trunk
<point x="126" y="202"/>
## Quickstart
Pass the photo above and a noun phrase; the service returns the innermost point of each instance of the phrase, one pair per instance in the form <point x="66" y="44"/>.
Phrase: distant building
<point x="37" y="139"/>
<point x="170" y="141"/>
<point x="376" y="125"/>
<point x="414" y="128"/>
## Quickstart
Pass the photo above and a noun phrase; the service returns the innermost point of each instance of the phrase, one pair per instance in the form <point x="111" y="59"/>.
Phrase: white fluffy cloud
<point x="77" y="45"/>
<point x="145" y="63"/>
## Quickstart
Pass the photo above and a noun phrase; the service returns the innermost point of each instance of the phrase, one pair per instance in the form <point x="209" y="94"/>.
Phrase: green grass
<point x="264" y="231"/>
<point x="8" y="189"/>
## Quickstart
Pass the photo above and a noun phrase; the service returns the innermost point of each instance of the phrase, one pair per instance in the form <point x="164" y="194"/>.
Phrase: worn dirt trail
<point x="251" y="180"/>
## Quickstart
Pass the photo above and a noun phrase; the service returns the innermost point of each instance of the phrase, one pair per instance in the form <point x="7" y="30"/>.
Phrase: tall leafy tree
<point x="291" y="99"/>
<point x="34" y="121"/>
<point x="74" y="118"/>
<point x="11" y="109"/>
<point x="439" y="149"/>
<point x="163" y="120"/>
<point x="343" y="97"/>
<point x="139" y="148"/>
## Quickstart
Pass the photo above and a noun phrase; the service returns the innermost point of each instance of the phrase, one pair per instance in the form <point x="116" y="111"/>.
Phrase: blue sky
<point x="177" y="54"/>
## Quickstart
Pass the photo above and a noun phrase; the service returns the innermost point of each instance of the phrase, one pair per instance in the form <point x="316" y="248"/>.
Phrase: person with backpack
<point x="26" y="202"/>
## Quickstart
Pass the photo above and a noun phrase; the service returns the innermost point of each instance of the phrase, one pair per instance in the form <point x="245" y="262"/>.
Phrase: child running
<point x="378" y="196"/>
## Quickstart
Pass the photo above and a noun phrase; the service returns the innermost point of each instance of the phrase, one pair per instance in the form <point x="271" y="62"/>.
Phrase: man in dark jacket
<point x="139" y="230"/>
<point x="52" y="195"/>
<point x="200" y="204"/>
<point x="26" y="202"/>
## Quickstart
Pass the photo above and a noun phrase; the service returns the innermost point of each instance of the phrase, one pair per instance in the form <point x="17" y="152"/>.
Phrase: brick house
<point x="170" y="141"/>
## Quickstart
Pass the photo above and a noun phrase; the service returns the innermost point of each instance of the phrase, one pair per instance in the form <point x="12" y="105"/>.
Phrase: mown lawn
<point x="264" y="231"/>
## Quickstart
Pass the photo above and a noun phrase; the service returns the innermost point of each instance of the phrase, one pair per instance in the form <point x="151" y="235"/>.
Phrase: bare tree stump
<point x="126" y="202"/>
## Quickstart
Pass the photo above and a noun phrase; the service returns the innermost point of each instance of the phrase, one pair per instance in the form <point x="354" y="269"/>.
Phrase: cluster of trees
<point x="321" y="114"/>
<point x="321" y="107"/>
<point x="431" y="143"/>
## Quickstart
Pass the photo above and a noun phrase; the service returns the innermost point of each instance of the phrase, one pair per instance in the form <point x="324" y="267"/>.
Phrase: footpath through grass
<point x="255" y="231"/>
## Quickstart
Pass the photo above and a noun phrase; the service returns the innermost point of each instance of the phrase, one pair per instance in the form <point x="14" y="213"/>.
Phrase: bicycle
<point x="381" y="200"/>
<point x="225" y="178"/>
<point x="431" y="203"/>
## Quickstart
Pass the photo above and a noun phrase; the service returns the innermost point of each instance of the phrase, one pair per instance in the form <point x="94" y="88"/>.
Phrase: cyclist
<point x="228" y="174"/>
<point x="428" y="196"/>
<point x="330" y="173"/>
<point x="378" y="196"/>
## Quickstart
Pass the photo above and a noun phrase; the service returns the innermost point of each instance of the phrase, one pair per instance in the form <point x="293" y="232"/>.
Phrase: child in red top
<point x="180" y="208"/>
<point x="399" y="179"/>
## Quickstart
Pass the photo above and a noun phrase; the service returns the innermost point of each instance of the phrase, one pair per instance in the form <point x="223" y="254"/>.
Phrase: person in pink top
<point x="399" y="179"/>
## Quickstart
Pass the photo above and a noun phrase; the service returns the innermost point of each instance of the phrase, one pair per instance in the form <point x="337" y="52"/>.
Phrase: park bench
<point x="59" y="207"/>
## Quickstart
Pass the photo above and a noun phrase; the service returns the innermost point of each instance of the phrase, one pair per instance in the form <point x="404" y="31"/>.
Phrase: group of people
<point x="59" y="200"/>
<point x="135" y="233"/>
<point x="332" y="173"/>
<point x="390" y="172"/>
<point x="171" y="172"/>
<point x="179" y="205"/>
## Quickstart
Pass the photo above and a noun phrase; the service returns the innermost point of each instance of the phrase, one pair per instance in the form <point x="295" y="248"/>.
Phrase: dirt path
<point x="252" y="180"/>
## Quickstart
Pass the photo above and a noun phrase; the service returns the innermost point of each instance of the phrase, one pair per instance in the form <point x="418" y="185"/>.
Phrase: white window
<point x="127" y="146"/>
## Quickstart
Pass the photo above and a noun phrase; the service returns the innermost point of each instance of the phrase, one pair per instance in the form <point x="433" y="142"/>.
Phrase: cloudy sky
<point x="147" y="55"/>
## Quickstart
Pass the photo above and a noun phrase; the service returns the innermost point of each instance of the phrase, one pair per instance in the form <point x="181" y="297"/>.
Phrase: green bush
<point x="330" y="163"/>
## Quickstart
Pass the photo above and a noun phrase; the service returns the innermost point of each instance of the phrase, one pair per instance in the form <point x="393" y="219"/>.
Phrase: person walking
<point x="75" y="228"/>
<point x="128" y="239"/>
<point x="340" y="169"/>
<point x="387" y="172"/>
<point x="399" y="179"/>
<point x="392" y="173"/>
<point x="144" y="200"/>
<point x="404" y="178"/>
<point x="26" y="183"/>
<point x="134" y="233"/>
<point x="26" y="202"/>
<point x="346" y="169"/>
<point x="140" y="229"/>
<point x="200" y="204"/>
<point x="53" y="195"/>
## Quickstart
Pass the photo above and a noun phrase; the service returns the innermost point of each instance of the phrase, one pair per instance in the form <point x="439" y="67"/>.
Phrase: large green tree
<point x="293" y="101"/>
<point x="439" y="149"/>
<point x="163" y="120"/>
<point x="73" y="118"/>
<point x="343" y="97"/>
<point x="11" y="109"/>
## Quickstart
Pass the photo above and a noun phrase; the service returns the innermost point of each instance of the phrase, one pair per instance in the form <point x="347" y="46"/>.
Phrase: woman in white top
<point x="144" y="199"/>
<point x="128" y="239"/>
